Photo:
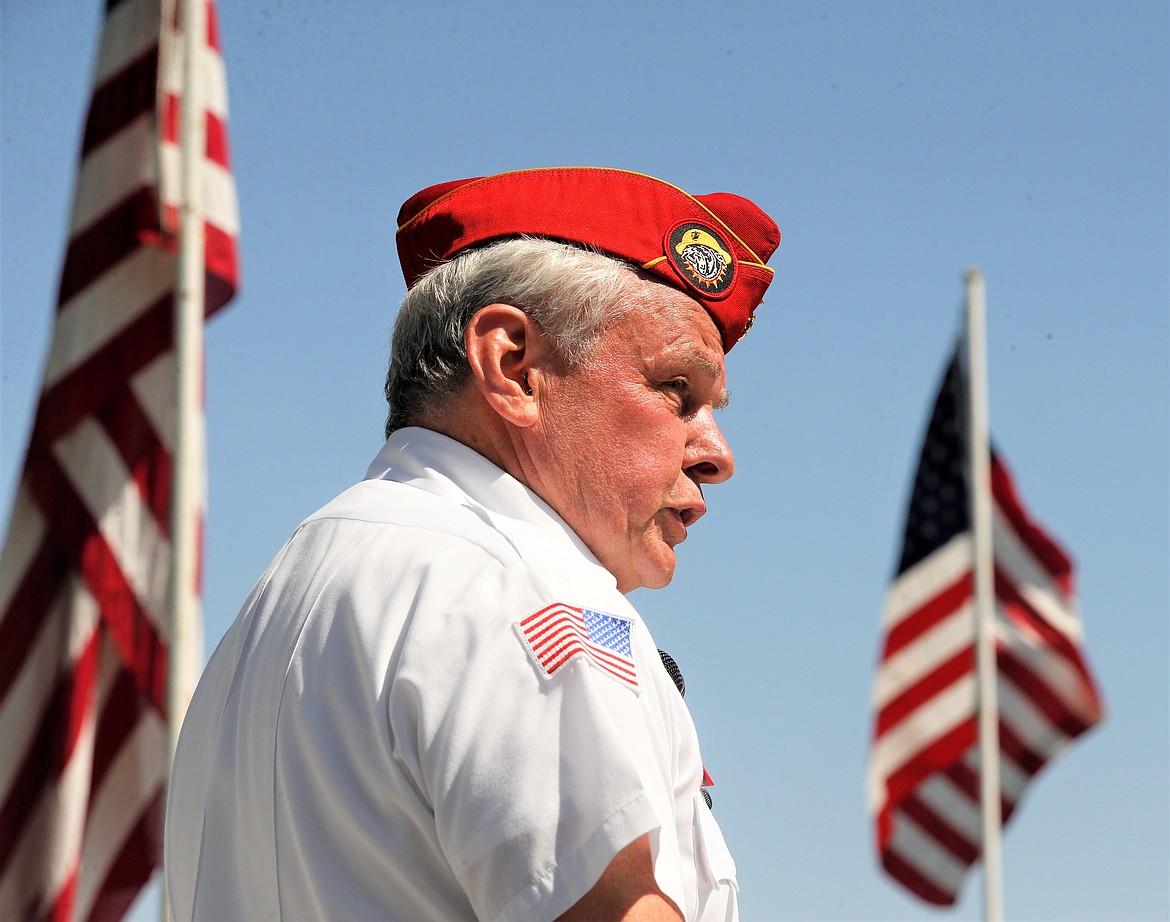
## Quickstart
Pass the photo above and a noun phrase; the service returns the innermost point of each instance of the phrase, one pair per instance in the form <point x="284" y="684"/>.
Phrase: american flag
<point x="558" y="633"/>
<point x="84" y="573"/>
<point x="924" y="774"/>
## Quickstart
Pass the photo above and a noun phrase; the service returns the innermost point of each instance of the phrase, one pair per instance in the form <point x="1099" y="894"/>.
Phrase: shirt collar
<point x="431" y="461"/>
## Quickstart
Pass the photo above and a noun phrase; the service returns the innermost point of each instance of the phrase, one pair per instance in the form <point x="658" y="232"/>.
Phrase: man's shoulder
<point x="387" y="527"/>
<point x="378" y="511"/>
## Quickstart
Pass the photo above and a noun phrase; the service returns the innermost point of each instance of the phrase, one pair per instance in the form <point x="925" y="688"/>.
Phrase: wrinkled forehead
<point x="660" y="322"/>
<point x="676" y="313"/>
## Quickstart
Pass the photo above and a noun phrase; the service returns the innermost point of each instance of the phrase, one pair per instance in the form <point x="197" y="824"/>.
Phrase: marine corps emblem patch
<point x="702" y="258"/>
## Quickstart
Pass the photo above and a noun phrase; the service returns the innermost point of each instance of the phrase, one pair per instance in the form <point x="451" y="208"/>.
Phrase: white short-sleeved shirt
<point x="387" y="731"/>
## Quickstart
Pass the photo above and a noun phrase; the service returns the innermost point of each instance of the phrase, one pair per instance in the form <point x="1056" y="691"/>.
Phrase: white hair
<point x="570" y="292"/>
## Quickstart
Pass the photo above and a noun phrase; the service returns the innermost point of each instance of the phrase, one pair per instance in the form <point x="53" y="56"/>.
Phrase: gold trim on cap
<point x="596" y="169"/>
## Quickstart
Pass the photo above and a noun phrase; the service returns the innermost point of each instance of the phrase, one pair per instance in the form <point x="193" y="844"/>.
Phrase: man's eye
<point x="680" y="390"/>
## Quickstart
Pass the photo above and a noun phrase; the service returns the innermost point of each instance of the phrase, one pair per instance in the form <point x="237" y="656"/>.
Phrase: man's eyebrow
<point x="714" y="371"/>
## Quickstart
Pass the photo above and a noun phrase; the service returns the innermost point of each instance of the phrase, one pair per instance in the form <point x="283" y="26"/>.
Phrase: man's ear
<point x="504" y="345"/>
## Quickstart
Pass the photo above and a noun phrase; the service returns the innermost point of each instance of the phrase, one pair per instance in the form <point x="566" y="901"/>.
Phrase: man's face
<point x="628" y="438"/>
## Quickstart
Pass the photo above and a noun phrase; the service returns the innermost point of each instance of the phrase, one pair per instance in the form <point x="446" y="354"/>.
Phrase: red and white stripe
<point x="924" y="767"/>
<point x="85" y="567"/>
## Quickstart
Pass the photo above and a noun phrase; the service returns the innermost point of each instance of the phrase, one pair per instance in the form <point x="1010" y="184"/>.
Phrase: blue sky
<point x="896" y="144"/>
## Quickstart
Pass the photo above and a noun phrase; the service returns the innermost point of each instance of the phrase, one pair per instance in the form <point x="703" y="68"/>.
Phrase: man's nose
<point x="708" y="457"/>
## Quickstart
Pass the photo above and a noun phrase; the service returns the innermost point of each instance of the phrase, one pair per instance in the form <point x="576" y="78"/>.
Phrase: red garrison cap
<point x="713" y="247"/>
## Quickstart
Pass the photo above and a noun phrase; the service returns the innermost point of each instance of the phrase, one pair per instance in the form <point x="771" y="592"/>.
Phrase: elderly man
<point x="437" y="702"/>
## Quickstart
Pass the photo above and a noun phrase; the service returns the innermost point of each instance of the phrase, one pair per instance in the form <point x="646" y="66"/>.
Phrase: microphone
<point x="676" y="676"/>
<point x="674" y="672"/>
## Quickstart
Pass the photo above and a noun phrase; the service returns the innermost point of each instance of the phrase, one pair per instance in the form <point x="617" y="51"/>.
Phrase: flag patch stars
<point x="559" y="633"/>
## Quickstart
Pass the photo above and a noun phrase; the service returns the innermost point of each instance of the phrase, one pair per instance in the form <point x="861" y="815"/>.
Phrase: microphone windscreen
<point x="677" y="677"/>
<point x="673" y="671"/>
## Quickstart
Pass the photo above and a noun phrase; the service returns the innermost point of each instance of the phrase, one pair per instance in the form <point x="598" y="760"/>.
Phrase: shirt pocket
<point x="718" y="888"/>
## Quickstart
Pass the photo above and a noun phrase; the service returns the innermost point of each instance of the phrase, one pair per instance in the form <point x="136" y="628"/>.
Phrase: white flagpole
<point x="187" y="466"/>
<point x="979" y="468"/>
<point x="187" y="461"/>
<point x="187" y="477"/>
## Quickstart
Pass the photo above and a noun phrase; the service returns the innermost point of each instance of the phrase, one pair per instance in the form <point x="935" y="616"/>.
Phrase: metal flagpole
<point x="979" y="468"/>
<point x="188" y="474"/>
<point x="187" y="477"/>
<point x="188" y="452"/>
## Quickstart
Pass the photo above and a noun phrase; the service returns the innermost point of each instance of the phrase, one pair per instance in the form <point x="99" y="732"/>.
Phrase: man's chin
<point x="657" y="573"/>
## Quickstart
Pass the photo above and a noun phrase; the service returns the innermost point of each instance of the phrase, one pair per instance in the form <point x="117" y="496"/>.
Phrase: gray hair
<point x="570" y="292"/>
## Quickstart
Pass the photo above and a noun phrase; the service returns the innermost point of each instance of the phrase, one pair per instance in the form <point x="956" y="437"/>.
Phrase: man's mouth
<point x="682" y="518"/>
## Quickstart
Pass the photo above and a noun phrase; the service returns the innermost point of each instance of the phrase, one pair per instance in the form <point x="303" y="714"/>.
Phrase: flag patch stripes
<point x="559" y="633"/>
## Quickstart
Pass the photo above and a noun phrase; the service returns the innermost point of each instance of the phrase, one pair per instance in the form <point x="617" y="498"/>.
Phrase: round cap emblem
<point x="702" y="258"/>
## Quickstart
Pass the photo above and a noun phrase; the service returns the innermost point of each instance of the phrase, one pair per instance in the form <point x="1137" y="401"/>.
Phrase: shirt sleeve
<point x="536" y="781"/>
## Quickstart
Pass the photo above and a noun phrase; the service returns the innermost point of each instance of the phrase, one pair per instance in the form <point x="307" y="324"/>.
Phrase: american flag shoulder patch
<point x="559" y="633"/>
